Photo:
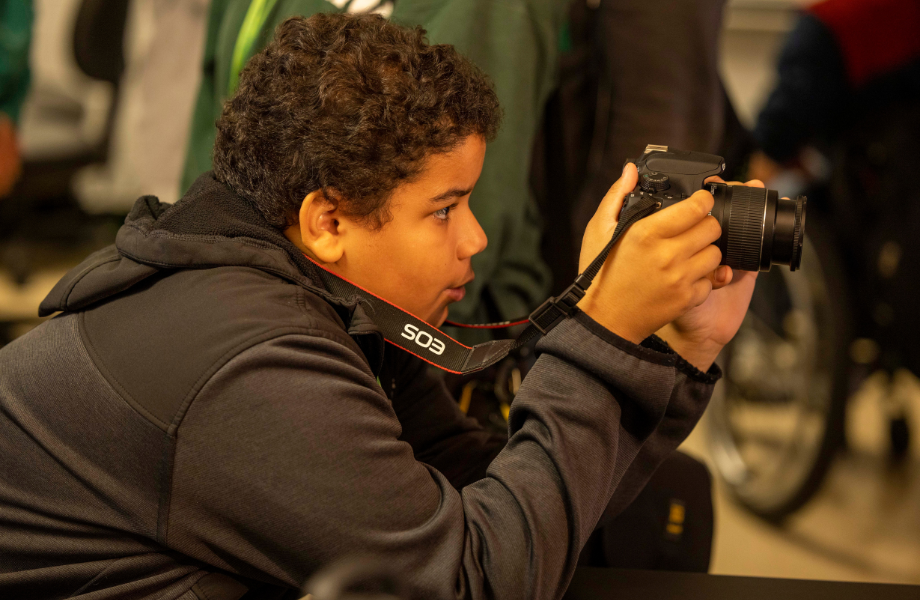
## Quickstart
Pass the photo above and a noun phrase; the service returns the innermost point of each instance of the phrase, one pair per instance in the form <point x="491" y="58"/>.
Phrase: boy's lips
<point x="456" y="294"/>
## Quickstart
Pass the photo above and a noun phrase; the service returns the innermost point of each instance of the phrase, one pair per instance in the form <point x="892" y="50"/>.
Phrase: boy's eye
<point x="444" y="213"/>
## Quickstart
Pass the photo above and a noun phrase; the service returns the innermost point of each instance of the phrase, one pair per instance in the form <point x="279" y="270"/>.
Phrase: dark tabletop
<point x="627" y="584"/>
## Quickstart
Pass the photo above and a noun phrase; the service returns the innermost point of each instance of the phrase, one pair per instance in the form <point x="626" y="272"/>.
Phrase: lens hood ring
<point x="798" y="234"/>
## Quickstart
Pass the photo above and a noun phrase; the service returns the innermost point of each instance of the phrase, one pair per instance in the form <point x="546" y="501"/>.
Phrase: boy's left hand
<point x="701" y="333"/>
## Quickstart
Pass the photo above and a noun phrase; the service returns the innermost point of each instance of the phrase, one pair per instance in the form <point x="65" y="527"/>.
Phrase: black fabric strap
<point x="432" y="345"/>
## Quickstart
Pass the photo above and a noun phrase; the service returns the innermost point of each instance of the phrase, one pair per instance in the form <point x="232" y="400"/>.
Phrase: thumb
<point x="721" y="277"/>
<point x="609" y="209"/>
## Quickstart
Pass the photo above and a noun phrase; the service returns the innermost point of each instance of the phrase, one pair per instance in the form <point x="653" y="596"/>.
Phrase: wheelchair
<point x="778" y="418"/>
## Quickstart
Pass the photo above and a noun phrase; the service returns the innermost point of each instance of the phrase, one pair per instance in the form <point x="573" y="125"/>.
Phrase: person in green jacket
<point x="15" y="34"/>
<point x="514" y="41"/>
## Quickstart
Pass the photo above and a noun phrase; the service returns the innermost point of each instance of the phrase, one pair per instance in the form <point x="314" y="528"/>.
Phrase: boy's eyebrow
<point x="454" y="193"/>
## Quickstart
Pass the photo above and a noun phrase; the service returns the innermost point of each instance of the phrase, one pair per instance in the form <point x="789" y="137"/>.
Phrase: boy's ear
<point x="319" y="227"/>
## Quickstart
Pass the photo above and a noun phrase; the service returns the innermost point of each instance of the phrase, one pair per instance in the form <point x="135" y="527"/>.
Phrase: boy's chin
<point x="438" y="318"/>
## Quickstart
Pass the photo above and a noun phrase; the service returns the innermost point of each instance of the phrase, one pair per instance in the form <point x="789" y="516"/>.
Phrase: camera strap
<point x="415" y="336"/>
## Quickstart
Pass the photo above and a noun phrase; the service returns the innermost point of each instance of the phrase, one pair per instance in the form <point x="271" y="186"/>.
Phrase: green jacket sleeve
<point x="15" y="34"/>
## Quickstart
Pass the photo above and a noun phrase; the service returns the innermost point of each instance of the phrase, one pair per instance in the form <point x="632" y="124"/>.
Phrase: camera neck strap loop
<point x="415" y="336"/>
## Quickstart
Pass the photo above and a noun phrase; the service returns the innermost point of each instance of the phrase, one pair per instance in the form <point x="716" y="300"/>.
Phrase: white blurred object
<point x="65" y="111"/>
<point x="164" y="44"/>
<point x="752" y="35"/>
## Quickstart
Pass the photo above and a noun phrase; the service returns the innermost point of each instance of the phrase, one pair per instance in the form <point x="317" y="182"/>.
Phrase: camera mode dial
<point x="654" y="182"/>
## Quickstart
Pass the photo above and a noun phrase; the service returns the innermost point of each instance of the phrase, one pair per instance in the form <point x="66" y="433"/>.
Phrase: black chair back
<point x="98" y="40"/>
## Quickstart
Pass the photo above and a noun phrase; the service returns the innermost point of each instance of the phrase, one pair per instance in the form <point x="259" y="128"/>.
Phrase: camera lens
<point x="759" y="229"/>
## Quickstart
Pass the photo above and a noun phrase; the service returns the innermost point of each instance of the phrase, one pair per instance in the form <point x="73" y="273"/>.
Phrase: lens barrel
<point x="759" y="229"/>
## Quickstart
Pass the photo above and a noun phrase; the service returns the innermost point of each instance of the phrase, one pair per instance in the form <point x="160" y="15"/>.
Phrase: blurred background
<point x="812" y="435"/>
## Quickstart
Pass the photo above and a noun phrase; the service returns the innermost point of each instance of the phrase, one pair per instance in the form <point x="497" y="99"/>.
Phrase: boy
<point x="206" y="420"/>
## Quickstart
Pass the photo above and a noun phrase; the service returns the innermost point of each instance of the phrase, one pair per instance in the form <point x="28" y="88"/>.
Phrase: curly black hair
<point x="348" y="104"/>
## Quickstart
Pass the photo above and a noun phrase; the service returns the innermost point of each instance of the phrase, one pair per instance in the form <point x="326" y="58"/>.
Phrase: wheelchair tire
<point x="777" y="419"/>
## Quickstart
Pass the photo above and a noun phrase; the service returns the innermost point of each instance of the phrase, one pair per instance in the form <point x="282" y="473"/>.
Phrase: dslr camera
<point x="759" y="229"/>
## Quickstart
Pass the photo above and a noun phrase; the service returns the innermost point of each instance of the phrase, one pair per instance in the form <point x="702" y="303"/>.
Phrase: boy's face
<point x="420" y="259"/>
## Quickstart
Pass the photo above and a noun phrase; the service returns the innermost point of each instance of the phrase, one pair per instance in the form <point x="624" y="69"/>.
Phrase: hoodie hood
<point x="210" y="226"/>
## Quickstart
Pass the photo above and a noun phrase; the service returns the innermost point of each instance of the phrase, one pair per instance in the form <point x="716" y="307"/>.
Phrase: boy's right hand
<point x="663" y="266"/>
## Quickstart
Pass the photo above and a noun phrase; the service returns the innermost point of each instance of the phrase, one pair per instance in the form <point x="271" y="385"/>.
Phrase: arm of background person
<point x="811" y="92"/>
<point x="210" y="99"/>
<point x="10" y="160"/>
<point x="225" y="18"/>
<point x="516" y="43"/>
<point x="275" y="475"/>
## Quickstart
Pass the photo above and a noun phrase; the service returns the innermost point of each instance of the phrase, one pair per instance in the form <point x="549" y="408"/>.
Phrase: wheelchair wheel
<point x="776" y="419"/>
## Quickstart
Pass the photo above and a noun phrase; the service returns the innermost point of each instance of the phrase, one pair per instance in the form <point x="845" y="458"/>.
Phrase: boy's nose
<point x="474" y="240"/>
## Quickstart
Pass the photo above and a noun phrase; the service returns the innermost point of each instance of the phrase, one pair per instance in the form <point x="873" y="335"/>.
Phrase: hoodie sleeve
<point x="689" y="398"/>
<point x="433" y="424"/>
<point x="291" y="457"/>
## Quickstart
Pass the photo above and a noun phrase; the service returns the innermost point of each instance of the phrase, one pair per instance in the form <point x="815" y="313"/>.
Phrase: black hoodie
<point x="203" y="419"/>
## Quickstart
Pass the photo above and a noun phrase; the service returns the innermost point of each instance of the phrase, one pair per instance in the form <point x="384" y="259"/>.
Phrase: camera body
<point x="759" y="229"/>
<point x="675" y="173"/>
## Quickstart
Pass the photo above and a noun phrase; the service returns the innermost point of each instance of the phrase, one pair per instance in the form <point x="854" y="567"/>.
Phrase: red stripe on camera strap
<point x="404" y="330"/>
